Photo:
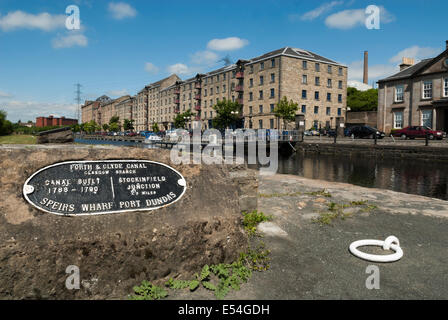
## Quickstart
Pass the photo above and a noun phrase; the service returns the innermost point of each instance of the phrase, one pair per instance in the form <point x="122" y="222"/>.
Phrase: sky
<point x="121" y="46"/>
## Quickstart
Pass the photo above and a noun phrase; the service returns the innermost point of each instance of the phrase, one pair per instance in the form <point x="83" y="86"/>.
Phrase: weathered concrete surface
<point x="61" y="135"/>
<point x="117" y="251"/>
<point x="313" y="261"/>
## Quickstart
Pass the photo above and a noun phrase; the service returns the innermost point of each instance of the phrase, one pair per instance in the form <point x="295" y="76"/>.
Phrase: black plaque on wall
<point x="99" y="187"/>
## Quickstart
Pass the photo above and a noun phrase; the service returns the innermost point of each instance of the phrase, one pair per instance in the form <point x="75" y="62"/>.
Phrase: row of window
<point x="426" y="119"/>
<point x="317" y="82"/>
<point x="317" y="96"/>
<point x="303" y="109"/>
<point x="317" y="68"/>
<point x="427" y="90"/>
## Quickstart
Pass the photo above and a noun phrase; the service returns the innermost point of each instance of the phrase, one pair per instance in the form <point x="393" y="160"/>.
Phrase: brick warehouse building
<point x="52" y="121"/>
<point x="317" y="84"/>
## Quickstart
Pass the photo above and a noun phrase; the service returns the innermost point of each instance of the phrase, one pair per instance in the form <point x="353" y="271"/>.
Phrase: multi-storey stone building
<point x="317" y="84"/>
<point x="415" y="96"/>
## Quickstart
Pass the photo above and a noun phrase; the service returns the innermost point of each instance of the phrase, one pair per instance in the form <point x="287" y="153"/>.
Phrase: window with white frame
<point x="445" y="87"/>
<point x="427" y="118"/>
<point x="398" y="120"/>
<point x="399" y="93"/>
<point x="427" y="90"/>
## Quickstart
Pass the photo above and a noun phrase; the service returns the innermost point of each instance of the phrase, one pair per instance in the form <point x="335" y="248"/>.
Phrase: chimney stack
<point x="366" y="67"/>
<point x="407" y="62"/>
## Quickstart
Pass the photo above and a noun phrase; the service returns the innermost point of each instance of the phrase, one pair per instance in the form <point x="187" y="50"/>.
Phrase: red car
<point x="419" y="132"/>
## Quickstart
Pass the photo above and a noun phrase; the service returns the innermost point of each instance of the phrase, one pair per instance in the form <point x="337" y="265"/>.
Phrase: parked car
<point x="418" y="132"/>
<point x="366" y="132"/>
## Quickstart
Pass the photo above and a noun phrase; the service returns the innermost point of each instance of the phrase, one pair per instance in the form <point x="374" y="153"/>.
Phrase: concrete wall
<point x="362" y="117"/>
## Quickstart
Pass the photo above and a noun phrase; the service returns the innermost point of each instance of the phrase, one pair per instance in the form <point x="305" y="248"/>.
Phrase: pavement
<point x="311" y="260"/>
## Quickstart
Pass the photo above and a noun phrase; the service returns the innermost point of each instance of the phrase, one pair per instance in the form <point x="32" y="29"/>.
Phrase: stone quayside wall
<point x="116" y="251"/>
<point x="379" y="151"/>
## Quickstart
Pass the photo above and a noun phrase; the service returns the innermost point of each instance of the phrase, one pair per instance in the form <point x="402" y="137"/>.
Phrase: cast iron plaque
<point x="99" y="187"/>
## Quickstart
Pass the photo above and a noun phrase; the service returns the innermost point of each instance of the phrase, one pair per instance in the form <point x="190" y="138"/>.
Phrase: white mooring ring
<point x="391" y="242"/>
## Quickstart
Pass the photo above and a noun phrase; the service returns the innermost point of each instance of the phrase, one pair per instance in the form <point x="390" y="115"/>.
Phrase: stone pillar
<point x="340" y="126"/>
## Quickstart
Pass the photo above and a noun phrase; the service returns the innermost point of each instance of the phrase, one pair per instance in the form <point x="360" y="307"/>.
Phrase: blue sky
<point x="123" y="45"/>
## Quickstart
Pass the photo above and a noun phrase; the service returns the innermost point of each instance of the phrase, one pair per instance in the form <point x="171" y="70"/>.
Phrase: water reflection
<point x="409" y="176"/>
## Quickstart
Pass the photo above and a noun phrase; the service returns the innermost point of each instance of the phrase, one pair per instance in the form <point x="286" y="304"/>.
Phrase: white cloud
<point x="121" y="10"/>
<point x="151" y="68"/>
<point x="5" y="94"/>
<point x="69" y="40"/>
<point x="415" y="52"/>
<point x="117" y="93"/>
<point x="227" y="44"/>
<point x="22" y="20"/>
<point x="326" y="7"/>
<point x="348" y="19"/>
<point x="183" y="69"/>
<point x="205" y="58"/>
<point x="30" y="110"/>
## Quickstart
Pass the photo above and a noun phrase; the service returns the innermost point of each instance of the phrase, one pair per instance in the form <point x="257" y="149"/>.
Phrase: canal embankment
<point x="435" y="151"/>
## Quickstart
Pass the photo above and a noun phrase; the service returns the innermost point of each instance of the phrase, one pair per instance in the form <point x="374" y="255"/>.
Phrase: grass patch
<point x="278" y="195"/>
<point x="322" y="193"/>
<point x="18" y="139"/>
<point x="336" y="211"/>
<point x="252" y="219"/>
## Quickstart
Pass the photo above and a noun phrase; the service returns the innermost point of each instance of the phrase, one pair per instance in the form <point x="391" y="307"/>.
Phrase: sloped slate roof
<point x="408" y="72"/>
<point x="294" y="52"/>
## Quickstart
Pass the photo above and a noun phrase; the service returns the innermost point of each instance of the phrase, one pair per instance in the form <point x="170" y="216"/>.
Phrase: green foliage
<point x="336" y="211"/>
<point x="362" y="100"/>
<point x="148" y="291"/>
<point x="180" y="121"/>
<point x="114" y="119"/>
<point x="114" y="127"/>
<point x="128" y="125"/>
<point x="224" y="117"/>
<point x="286" y="110"/>
<point x="322" y="193"/>
<point x="6" y="126"/>
<point x="155" y="127"/>
<point x="252" y="219"/>
<point x="256" y="259"/>
<point x="90" y="127"/>
<point x="105" y="127"/>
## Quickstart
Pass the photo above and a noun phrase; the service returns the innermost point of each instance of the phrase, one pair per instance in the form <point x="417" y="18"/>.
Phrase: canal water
<point x="409" y="176"/>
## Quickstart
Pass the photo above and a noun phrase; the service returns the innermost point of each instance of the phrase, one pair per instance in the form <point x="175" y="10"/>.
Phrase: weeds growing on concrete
<point x="336" y="210"/>
<point x="148" y="291"/>
<point x="252" y="219"/>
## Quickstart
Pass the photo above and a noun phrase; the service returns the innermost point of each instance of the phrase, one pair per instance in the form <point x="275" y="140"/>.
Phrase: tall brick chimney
<point x="366" y="67"/>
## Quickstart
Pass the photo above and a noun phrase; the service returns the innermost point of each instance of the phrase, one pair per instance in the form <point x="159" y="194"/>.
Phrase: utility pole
<point x="78" y="101"/>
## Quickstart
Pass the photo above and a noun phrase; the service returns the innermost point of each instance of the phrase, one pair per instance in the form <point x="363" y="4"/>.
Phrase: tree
<point x="227" y="114"/>
<point x="155" y="127"/>
<point x="128" y="125"/>
<point x="90" y="127"/>
<point x="286" y="110"/>
<point x="180" y="121"/>
<point x="105" y="127"/>
<point x="114" y="127"/>
<point x="362" y="100"/>
<point x="114" y="119"/>
<point x="5" y="125"/>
